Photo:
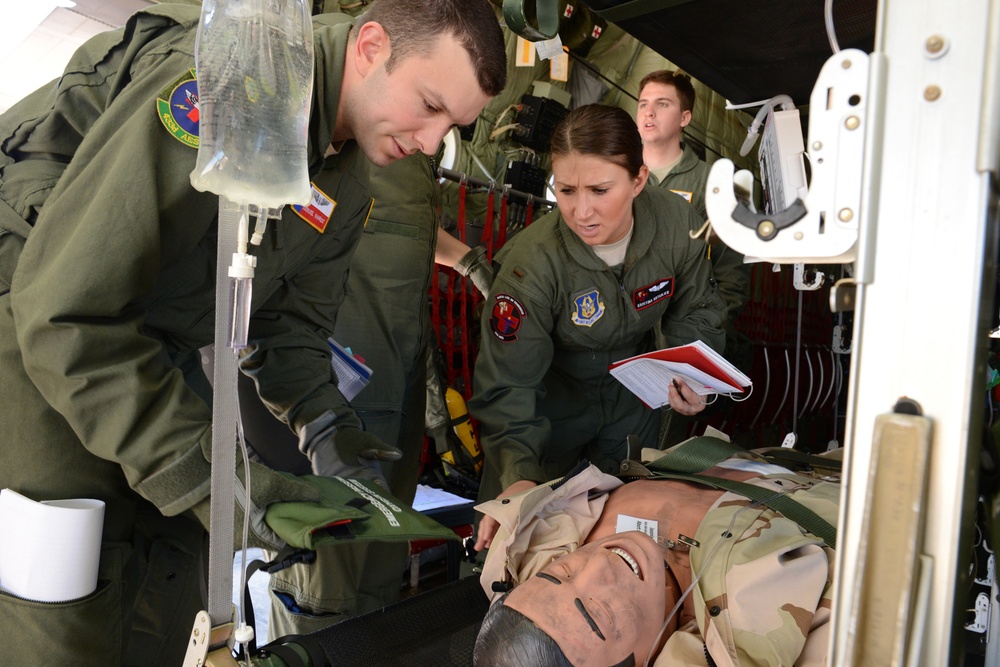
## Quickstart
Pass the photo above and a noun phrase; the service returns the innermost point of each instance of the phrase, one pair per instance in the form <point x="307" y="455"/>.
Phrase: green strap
<point x="800" y="460"/>
<point x="789" y="508"/>
<point x="695" y="455"/>
<point x="700" y="454"/>
<point x="546" y="13"/>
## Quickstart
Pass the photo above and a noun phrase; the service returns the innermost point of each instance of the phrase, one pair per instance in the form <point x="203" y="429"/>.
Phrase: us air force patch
<point x="506" y="318"/>
<point x="177" y="106"/>
<point x="319" y="210"/>
<point x="589" y="309"/>
<point x="644" y="297"/>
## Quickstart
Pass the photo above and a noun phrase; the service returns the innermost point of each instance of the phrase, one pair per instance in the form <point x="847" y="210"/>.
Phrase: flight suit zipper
<point x="627" y="303"/>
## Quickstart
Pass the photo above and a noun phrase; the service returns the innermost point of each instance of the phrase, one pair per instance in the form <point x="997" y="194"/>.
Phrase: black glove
<point x="475" y="266"/>
<point x="344" y="452"/>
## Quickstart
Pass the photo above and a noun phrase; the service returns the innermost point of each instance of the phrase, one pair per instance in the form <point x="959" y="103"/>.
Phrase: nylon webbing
<point x="789" y="508"/>
<point x="695" y="455"/>
<point x="699" y="454"/>
<point x="224" y="413"/>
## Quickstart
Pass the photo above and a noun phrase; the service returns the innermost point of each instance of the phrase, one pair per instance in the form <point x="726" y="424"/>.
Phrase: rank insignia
<point x="178" y="109"/>
<point x="644" y="297"/>
<point x="319" y="210"/>
<point x="588" y="309"/>
<point x="506" y="318"/>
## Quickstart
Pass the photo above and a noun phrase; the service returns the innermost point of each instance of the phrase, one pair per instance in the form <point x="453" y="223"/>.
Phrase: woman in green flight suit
<point x="611" y="274"/>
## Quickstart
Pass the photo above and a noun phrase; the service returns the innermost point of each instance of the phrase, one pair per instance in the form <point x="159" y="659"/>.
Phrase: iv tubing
<point x="784" y="101"/>
<point x="246" y="520"/>
<point x="687" y="591"/>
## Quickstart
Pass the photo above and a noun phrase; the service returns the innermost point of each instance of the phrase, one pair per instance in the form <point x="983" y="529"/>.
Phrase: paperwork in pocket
<point x="352" y="374"/>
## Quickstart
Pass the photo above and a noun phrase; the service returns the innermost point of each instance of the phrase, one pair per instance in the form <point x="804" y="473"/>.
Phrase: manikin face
<point x="659" y="115"/>
<point x="411" y="108"/>
<point x="604" y="601"/>
<point x="595" y="196"/>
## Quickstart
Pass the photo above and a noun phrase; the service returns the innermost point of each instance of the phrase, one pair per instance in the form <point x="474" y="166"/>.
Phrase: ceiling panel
<point x="746" y="51"/>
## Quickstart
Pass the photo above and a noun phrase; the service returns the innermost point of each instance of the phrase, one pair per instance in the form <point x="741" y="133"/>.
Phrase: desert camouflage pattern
<point x="764" y="594"/>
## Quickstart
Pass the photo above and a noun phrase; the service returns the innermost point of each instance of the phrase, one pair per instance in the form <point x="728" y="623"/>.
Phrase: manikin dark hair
<point x="508" y="638"/>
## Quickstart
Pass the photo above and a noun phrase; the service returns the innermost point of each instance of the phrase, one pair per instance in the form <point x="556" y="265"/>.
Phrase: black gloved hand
<point x="344" y="452"/>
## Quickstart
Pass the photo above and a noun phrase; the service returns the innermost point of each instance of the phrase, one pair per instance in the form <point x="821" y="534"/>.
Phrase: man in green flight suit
<point x="107" y="289"/>
<point x="666" y="102"/>
<point x="384" y="318"/>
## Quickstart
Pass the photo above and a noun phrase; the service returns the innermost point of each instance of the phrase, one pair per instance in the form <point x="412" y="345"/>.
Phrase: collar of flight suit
<point x="330" y="37"/>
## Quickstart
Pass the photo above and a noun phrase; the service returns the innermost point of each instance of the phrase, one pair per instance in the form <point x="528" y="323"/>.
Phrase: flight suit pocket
<point x="82" y="632"/>
<point x="10" y="251"/>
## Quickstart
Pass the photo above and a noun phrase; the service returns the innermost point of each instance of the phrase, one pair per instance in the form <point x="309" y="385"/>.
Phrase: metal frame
<point x="925" y="279"/>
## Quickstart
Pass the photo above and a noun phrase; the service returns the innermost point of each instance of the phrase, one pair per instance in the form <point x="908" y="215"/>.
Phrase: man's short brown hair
<point x="680" y="81"/>
<point x="413" y="27"/>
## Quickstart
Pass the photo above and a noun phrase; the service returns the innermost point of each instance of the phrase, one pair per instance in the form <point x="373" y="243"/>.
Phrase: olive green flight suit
<point x="107" y="292"/>
<point x="687" y="179"/>
<point x="558" y="316"/>
<point x="732" y="276"/>
<point x="385" y="319"/>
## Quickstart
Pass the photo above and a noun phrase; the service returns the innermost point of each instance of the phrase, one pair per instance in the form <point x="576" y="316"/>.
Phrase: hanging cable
<point x="831" y="34"/>
<point x="767" y="387"/>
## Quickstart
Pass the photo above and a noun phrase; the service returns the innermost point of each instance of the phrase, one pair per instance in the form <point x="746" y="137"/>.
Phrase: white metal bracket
<point x="824" y="227"/>
<point x="981" y="624"/>
<point x="807" y="281"/>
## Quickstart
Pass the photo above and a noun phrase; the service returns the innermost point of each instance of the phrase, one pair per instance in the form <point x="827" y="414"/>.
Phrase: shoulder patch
<point x="177" y="107"/>
<point x="319" y="210"/>
<point x="506" y="318"/>
<point x="686" y="194"/>
<point x="644" y="297"/>
<point x="588" y="308"/>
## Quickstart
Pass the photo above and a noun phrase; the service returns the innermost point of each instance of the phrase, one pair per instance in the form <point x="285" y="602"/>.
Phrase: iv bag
<point x="254" y="64"/>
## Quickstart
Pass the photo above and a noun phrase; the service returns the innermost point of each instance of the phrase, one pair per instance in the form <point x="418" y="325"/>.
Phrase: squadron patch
<point x="588" y="308"/>
<point x="506" y="318"/>
<point x="177" y="106"/>
<point x="644" y="297"/>
<point x="319" y="210"/>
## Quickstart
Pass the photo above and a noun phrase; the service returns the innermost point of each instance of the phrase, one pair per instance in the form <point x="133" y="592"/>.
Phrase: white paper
<point x="49" y="550"/>
<point x="549" y="48"/>
<point x="429" y="498"/>
<point x="628" y="523"/>
<point x="649" y="379"/>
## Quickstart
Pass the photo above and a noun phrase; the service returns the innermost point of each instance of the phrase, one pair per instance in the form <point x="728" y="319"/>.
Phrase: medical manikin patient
<point x="659" y="572"/>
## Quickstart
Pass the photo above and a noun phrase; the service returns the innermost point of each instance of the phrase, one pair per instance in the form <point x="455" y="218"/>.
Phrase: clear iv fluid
<point x="254" y="62"/>
<point x="239" y="322"/>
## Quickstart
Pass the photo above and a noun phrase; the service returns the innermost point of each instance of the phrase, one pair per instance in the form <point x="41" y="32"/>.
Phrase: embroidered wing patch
<point x="644" y="297"/>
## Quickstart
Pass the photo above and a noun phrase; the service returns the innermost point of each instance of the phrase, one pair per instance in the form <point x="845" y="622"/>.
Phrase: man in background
<point x="666" y="102"/>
